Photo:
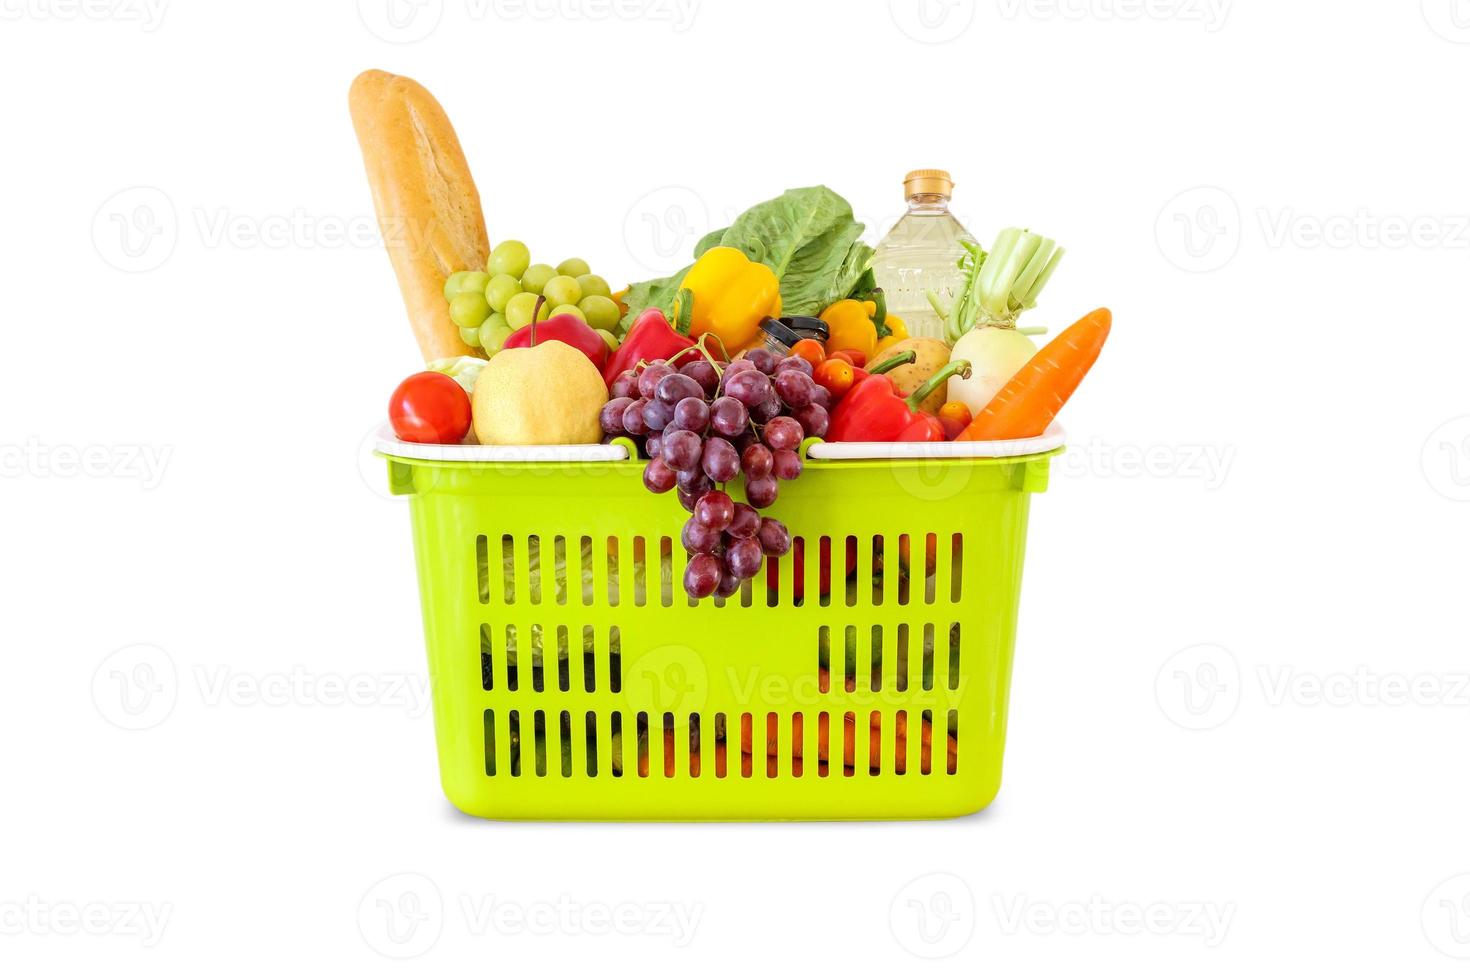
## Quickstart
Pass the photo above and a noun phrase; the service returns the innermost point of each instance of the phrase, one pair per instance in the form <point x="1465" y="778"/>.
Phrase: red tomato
<point x="429" y="407"/>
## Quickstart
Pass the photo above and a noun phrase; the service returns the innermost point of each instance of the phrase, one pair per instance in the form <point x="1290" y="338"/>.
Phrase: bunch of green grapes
<point x="488" y="306"/>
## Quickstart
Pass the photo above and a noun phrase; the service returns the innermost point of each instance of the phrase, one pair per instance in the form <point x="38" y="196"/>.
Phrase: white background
<point x="1254" y="548"/>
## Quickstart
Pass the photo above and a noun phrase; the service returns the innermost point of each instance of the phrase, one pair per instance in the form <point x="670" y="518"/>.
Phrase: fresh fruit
<point x="954" y="416"/>
<point x="562" y="291"/>
<point x="493" y="333"/>
<point x="522" y="306"/>
<point x="593" y="285"/>
<point x="535" y="278"/>
<point x="454" y="285"/>
<point x="549" y="394"/>
<point x="567" y="309"/>
<point x="568" y="329"/>
<point x="701" y="436"/>
<point x="573" y="267"/>
<point x="608" y="338"/>
<point x="429" y="407"/>
<point x="599" y="311"/>
<point x="464" y="282"/>
<point x="509" y="258"/>
<point x="469" y="309"/>
<point x="499" y="290"/>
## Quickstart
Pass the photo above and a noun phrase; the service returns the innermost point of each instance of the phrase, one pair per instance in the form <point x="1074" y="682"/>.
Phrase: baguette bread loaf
<point x="427" y="205"/>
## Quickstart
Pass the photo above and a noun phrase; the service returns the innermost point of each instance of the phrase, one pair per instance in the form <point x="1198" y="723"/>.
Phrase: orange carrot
<point x="1031" y="399"/>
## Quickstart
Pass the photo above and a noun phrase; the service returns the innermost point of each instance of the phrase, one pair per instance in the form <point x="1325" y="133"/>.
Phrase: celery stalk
<point x="999" y="285"/>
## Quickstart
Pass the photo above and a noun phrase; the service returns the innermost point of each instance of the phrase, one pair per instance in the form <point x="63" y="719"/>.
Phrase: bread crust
<point x="427" y="206"/>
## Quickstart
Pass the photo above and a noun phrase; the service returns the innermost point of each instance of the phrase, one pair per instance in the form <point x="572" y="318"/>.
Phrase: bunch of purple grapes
<point x="702" y="425"/>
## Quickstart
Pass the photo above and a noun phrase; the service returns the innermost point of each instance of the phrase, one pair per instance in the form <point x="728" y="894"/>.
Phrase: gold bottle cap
<point x="927" y="182"/>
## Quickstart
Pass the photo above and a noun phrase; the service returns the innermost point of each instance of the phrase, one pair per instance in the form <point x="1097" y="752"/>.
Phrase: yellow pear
<point x="547" y="395"/>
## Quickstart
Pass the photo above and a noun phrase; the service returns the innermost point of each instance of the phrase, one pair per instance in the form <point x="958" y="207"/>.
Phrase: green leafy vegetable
<point x="807" y="236"/>
<point x="465" y="369"/>
<point x="998" y="286"/>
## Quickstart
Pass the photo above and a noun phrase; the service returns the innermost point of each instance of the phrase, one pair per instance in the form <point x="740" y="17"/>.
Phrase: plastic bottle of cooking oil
<point x="921" y="252"/>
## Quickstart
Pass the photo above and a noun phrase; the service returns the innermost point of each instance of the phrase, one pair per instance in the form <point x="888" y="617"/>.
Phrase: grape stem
<point x="698" y="345"/>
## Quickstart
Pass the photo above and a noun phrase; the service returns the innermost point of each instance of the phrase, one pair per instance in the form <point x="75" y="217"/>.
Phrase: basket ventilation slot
<point x="862" y="659"/>
<point x="771" y="744"/>
<point x="643" y="571"/>
<point x="503" y="666"/>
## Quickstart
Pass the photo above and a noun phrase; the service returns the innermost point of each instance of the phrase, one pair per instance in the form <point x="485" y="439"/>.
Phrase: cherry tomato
<point x="429" y="407"/>
<point x="836" y="375"/>
<point x="953" y="416"/>
<point x="809" y="350"/>
<point x="851" y="354"/>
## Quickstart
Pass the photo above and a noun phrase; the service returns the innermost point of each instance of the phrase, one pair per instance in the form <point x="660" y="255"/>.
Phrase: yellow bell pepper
<point x="896" y="331"/>
<point x="732" y="295"/>
<point x="850" y="326"/>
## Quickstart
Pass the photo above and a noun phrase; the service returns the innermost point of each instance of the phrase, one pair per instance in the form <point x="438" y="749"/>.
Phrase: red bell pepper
<point x="567" y="329"/>
<point x="651" y="338"/>
<point x="874" y="411"/>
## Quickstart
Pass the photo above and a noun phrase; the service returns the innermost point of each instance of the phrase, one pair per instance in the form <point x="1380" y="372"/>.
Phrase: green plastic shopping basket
<point x="864" y="675"/>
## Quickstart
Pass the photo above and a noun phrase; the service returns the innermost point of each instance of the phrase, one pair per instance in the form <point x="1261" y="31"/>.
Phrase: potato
<point x="932" y="355"/>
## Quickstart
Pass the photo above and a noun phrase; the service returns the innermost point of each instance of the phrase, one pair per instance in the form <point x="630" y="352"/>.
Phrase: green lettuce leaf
<point x="807" y="236"/>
